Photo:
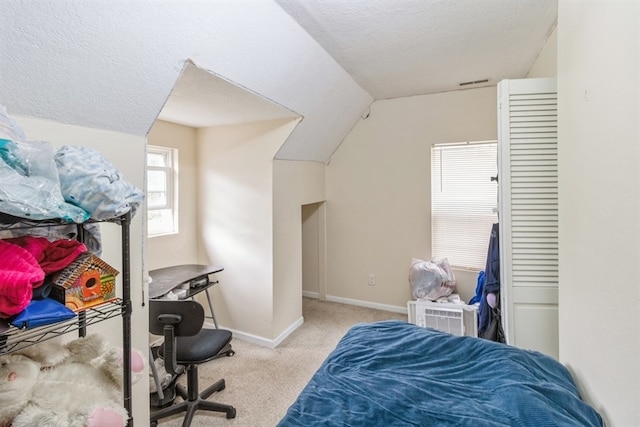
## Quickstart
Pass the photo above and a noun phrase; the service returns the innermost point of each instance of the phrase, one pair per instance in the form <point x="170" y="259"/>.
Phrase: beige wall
<point x="181" y="248"/>
<point x="378" y="192"/>
<point x="311" y="235"/>
<point x="599" y="202"/>
<point x="545" y="65"/>
<point x="235" y="165"/>
<point x="296" y="183"/>
<point x="127" y="153"/>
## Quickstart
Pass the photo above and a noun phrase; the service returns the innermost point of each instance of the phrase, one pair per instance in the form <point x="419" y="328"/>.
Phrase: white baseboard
<point x="264" y="342"/>
<point x="261" y="341"/>
<point x="308" y="294"/>
<point x="359" y="303"/>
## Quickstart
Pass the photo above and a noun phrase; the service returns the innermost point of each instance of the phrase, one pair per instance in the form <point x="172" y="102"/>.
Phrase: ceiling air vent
<point x="473" y="82"/>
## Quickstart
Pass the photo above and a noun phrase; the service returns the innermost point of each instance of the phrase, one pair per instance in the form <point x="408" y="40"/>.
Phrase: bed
<point x="393" y="373"/>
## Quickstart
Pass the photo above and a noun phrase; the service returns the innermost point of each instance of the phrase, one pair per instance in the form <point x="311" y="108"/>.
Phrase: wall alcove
<point x="231" y="193"/>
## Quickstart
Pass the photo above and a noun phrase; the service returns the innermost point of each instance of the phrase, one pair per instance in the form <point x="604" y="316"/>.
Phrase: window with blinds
<point x="463" y="201"/>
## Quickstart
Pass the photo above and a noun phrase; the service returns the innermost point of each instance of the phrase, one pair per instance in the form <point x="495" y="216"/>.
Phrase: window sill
<point x="171" y="233"/>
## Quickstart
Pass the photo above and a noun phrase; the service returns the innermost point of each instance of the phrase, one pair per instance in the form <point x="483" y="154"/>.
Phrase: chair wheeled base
<point x="191" y="404"/>
<point x="187" y="345"/>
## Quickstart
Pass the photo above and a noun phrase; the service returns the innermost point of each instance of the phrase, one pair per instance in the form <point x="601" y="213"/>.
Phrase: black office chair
<point x="186" y="345"/>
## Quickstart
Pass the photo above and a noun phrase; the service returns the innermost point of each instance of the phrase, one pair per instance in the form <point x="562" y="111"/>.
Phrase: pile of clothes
<point x="25" y="263"/>
<point x="69" y="185"/>
<point x="73" y="183"/>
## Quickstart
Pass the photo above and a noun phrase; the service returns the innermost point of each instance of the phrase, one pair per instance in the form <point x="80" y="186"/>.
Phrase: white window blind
<point x="463" y="199"/>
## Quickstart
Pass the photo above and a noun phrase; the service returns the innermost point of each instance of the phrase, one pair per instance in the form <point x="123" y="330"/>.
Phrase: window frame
<point x="170" y="170"/>
<point x="479" y="214"/>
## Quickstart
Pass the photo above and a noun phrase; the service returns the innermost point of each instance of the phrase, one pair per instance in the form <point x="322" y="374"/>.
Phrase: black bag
<point x="494" y="331"/>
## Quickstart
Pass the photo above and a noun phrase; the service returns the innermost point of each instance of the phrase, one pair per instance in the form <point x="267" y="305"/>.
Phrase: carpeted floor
<point x="262" y="383"/>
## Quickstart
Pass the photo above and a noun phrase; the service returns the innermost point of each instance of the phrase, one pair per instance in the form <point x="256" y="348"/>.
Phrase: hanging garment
<point x="479" y="289"/>
<point x="489" y="318"/>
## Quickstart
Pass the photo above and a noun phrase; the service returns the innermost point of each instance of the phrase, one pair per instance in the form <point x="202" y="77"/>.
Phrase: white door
<point x="528" y="212"/>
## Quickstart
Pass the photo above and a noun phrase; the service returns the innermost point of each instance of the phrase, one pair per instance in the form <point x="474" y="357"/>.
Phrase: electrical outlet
<point x="372" y="279"/>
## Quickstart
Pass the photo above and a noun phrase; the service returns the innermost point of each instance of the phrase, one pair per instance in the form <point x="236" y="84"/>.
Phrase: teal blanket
<point x="393" y="373"/>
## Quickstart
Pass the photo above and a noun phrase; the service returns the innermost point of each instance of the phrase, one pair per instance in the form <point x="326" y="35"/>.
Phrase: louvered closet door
<point x="528" y="208"/>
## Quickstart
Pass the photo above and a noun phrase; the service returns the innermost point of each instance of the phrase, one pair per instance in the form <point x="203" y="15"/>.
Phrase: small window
<point x="463" y="201"/>
<point x="162" y="206"/>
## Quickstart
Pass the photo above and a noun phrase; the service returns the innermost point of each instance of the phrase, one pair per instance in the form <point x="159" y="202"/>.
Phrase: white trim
<point x="358" y="303"/>
<point x="288" y="332"/>
<point x="261" y="341"/>
<point x="322" y="250"/>
<point x="172" y="183"/>
<point x="264" y="342"/>
<point x="309" y="294"/>
<point x="368" y="304"/>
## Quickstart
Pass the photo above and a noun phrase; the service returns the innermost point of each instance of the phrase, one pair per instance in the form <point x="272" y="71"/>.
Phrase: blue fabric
<point x="393" y="373"/>
<point x="492" y="280"/>
<point x="42" y="312"/>
<point x="479" y="289"/>
<point x="492" y="269"/>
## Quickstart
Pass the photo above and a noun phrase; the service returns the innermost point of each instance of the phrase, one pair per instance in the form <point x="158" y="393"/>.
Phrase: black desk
<point x="165" y="279"/>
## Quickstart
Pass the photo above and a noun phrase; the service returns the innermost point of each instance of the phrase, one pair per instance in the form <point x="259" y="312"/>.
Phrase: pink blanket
<point x="19" y="271"/>
<point x="24" y="263"/>
<point x="52" y="256"/>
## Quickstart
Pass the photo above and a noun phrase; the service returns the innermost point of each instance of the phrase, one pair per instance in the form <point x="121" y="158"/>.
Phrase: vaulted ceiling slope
<point x="397" y="48"/>
<point x="112" y="64"/>
<point x="202" y="99"/>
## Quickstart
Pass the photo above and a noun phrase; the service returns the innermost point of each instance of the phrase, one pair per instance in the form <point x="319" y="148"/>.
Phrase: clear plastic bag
<point x="89" y="180"/>
<point x="449" y="278"/>
<point x="9" y="128"/>
<point x="29" y="184"/>
<point x="431" y="279"/>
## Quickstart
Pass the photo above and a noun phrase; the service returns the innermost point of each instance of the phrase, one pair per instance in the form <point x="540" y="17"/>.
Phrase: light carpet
<point x="261" y="383"/>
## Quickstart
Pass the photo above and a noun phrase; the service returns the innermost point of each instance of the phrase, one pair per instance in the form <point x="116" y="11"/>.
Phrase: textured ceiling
<point x="396" y="48"/>
<point x="202" y="99"/>
<point x="119" y="65"/>
<point x="393" y="48"/>
<point x="114" y="65"/>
